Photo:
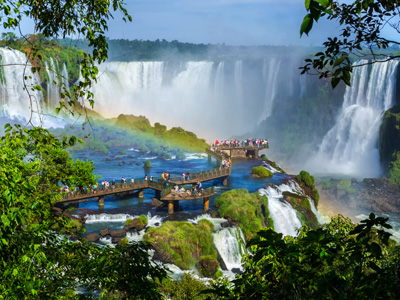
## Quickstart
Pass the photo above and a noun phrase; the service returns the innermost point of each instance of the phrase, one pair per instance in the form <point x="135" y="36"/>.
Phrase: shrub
<point x="244" y="208"/>
<point x="143" y="219"/>
<point x="306" y="178"/>
<point x="261" y="171"/>
<point x="147" y="164"/>
<point x="180" y="156"/>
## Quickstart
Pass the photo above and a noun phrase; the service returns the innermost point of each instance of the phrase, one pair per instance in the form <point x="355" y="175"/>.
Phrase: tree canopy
<point x="362" y="24"/>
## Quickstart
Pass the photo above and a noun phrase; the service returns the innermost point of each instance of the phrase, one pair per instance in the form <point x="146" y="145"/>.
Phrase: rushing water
<point x="351" y="146"/>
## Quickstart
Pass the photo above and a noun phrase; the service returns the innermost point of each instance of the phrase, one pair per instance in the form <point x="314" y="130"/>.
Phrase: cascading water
<point x="282" y="213"/>
<point x="350" y="147"/>
<point x="214" y="94"/>
<point x="230" y="246"/>
<point x="270" y="73"/>
<point x="15" y="101"/>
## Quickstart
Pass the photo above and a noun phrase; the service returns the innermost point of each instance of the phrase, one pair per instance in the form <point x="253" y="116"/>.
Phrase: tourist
<point x="176" y="187"/>
<point x="151" y="178"/>
<point x="183" y="176"/>
<point x="187" y="176"/>
<point x="113" y="183"/>
<point x="181" y="191"/>
<point x="145" y="177"/>
<point x="132" y="181"/>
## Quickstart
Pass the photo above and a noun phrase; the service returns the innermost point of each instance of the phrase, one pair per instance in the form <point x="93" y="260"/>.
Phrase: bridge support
<point x="225" y="181"/>
<point x="209" y="158"/>
<point x="101" y="203"/>
<point x="170" y="207"/>
<point x="158" y="195"/>
<point x="206" y="202"/>
<point x="140" y="193"/>
<point x="176" y="205"/>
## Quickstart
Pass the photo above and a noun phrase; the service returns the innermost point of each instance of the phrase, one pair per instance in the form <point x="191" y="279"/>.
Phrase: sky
<point x="233" y="22"/>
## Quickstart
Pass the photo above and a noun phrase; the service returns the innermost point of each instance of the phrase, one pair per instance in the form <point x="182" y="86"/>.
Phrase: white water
<point x="216" y="221"/>
<point x="351" y="146"/>
<point x="229" y="247"/>
<point x="282" y="213"/>
<point x="270" y="76"/>
<point x="14" y="100"/>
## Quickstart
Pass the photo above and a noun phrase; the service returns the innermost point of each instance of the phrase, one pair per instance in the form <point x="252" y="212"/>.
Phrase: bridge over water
<point x="164" y="189"/>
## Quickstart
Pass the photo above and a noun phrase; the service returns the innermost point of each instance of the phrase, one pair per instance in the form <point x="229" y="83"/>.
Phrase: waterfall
<point x="107" y="218"/>
<point x="220" y="79"/>
<point x="270" y="73"/>
<point x="14" y="99"/>
<point x="238" y="76"/>
<point x="350" y="147"/>
<point x="282" y="213"/>
<point x="229" y="247"/>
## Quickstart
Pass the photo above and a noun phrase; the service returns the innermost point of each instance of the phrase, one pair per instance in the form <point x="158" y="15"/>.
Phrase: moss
<point x="128" y="221"/>
<point x="249" y="210"/>
<point x="261" y="171"/>
<point x="143" y="220"/>
<point x="122" y="151"/>
<point x="185" y="242"/>
<point x="345" y="185"/>
<point x="218" y="274"/>
<point x="306" y="178"/>
<point x="124" y="241"/>
<point x="264" y="157"/>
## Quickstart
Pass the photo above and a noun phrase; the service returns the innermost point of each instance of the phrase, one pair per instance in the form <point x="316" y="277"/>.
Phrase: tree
<point x="338" y="261"/>
<point x="361" y="36"/>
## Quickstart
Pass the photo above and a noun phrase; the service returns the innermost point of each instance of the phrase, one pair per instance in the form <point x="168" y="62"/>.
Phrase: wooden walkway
<point x="164" y="189"/>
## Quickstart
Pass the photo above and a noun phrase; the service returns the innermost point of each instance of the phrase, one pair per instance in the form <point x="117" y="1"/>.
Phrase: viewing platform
<point x="163" y="189"/>
<point x="234" y="151"/>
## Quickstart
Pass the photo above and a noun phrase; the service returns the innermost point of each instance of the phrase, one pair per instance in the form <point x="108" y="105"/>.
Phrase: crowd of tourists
<point x="242" y="143"/>
<point x="195" y="191"/>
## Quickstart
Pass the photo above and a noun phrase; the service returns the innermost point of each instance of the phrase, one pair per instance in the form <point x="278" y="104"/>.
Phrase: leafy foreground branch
<point x="37" y="263"/>
<point x="338" y="261"/>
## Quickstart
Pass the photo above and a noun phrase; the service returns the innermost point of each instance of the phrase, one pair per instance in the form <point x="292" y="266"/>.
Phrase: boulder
<point x="157" y="203"/>
<point x="236" y="271"/>
<point x="116" y="240"/>
<point x="138" y="163"/>
<point x="132" y="225"/>
<point x="92" y="237"/>
<point x="105" y="232"/>
<point x="207" y="267"/>
<point x="221" y="262"/>
<point x="117" y="233"/>
<point x="161" y="255"/>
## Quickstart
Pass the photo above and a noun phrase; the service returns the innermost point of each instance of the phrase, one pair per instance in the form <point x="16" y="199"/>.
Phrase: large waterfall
<point x="351" y="146"/>
<point x="17" y="98"/>
<point x="213" y="99"/>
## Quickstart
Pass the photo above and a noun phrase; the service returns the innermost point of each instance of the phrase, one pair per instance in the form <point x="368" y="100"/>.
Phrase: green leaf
<point x="335" y="81"/>
<point x="339" y="60"/>
<point x="324" y="3"/>
<point x="306" y="25"/>
<point x="307" y="4"/>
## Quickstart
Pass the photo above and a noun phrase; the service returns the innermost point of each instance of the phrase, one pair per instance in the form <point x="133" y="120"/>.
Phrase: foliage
<point x="143" y="220"/>
<point x="308" y="182"/>
<point x="394" y="171"/>
<point x="184" y="242"/>
<point x="187" y="288"/>
<point x="327" y="185"/>
<point x="305" y="177"/>
<point x="345" y="185"/>
<point x="249" y="210"/>
<point x="180" y="156"/>
<point x="361" y="24"/>
<point x="338" y="261"/>
<point x="261" y="171"/>
<point x="37" y="263"/>
<point x="147" y="164"/>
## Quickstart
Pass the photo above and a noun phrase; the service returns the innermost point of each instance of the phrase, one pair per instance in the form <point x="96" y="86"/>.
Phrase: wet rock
<point x="157" y="203"/>
<point x="221" y="262"/>
<point x="117" y="233"/>
<point x="207" y="267"/>
<point x="157" y="224"/>
<point x="116" y="240"/>
<point x="131" y="156"/>
<point x="107" y="159"/>
<point x="236" y="270"/>
<point x="214" y="214"/>
<point x="138" y="163"/>
<point x="122" y="163"/>
<point x="105" y="232"/>
<point x="92" y="237"/>
<point x="131" y="163"/>
<point x="161" y="255"/>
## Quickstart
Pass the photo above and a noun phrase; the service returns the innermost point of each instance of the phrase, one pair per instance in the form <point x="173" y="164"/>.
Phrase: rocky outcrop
<point x="117" y="233"/>
<point x="92" y="237"/>
<point x="207" y="267"/>
<point x="370" y="195"/>
<point x="105" y="232"/>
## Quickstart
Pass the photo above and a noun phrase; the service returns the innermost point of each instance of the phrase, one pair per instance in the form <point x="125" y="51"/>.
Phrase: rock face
<point x="105" y="232"/>
<point x="117" y="233"/>
<point x="93" y="237"/>
<point x="207" y="267"/>
<point x="370" y="195"/>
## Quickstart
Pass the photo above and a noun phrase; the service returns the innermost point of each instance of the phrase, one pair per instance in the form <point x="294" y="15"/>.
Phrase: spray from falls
<point x="350" y="147"/>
